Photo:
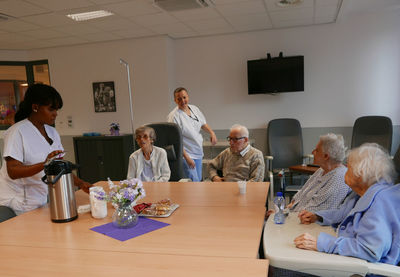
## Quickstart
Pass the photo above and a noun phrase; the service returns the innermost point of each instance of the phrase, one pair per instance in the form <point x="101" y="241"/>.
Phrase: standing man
<point x="240" y="161"/>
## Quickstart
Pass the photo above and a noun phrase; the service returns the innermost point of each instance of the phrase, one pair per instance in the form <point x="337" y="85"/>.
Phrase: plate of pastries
<point x="162" y="208"/>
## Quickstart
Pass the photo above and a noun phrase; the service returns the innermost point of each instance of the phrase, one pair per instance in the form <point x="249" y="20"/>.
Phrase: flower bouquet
<point x="123" y="197"/>
<point x="114" y="129"/>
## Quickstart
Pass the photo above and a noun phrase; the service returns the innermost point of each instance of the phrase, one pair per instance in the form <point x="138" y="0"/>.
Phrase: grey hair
<point x="372" y="163"/>
<point x="244" y="132"/>
<point x="145" y="128"/>
<point x="333" y="145"/>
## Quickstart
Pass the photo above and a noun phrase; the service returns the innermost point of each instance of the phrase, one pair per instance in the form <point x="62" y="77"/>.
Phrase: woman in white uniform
<point x="149" y="163"/>
<point x="28" y="145"/>
<point x="191" y="120"/>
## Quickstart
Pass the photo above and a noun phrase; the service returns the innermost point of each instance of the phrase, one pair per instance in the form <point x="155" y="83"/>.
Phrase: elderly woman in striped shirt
<point x="326" y="188"/>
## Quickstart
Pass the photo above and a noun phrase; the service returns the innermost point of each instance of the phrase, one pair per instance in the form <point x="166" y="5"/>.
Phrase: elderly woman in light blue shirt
<point x="149" y="163"/>
<point x="368" y="221"/>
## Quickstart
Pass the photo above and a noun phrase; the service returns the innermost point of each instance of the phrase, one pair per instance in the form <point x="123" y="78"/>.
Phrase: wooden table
<point x="215" y="232"/>
<point x="304" y="169"/>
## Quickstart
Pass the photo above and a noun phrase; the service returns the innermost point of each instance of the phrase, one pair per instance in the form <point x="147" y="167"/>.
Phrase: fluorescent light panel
<point x="89" y="15"/>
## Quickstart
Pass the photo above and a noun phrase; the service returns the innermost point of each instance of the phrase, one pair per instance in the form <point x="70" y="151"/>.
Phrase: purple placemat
<point x="145" y="225"/>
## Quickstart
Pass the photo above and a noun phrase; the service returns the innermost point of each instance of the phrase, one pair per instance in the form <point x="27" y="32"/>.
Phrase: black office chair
<point x="285" y="149"/>
<point x="6" y="213"/>
<point x="169" y="137"/>
<point x="378" y="129"/>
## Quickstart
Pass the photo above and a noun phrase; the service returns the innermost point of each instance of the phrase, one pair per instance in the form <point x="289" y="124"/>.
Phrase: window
<point x="14" y="80"/>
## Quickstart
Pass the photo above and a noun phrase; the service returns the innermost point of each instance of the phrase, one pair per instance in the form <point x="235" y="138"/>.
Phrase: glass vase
<point x="125" y="217"/>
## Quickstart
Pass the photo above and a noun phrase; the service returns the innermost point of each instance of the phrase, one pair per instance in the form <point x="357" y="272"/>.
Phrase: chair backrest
<point x="285" y="142"/>
<point x="169" y="137"/>
<point x="396" y="160"/>
<point x="378" y="129"/>
<point x="6" y="213"/>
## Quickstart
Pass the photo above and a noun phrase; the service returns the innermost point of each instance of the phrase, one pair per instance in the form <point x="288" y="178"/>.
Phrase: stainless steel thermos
<point x="61" y="190"/>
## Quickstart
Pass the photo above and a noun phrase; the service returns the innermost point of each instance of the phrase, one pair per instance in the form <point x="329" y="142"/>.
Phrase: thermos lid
<point x="56" y="166"/>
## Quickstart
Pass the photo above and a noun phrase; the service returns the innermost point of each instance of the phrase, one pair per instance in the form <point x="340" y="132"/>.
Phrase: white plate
<point x="172" y="209"/>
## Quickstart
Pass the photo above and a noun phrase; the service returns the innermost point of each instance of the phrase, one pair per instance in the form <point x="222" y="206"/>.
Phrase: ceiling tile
<point x="326" y="11"/>
<point x="203" y="25"/>
<point x="59" y="5"/>
<point x="253" y="22"/>
<point x="134" y="33"/>
<point x="196" y="14"/>
<point x="13" y="37"/>
<point x="101" y="2"/>
<point x="293" y="23"/>
<point x="132" y="8"/>
<point x="155" y="19"/>
<point x="247" y="7"/>
<point x="18" y="8"/>
<point x="43" y="34"/>
<point x="182" y="35"/>
<point x="298" y="14"/>
<point x="15" y="25"/>
<point x="326" y="3"/>
<point x="49" y="19"/>
<point x="103" y="36"/>
<point x="170" y="28"/>
<point x="217" y="31"/>
<point x="79" y="28"/>
<point x="322" y="20"/>
<point x="222" y="2"/>
<point x="111" y="23"/>
<point x="64" y="41"/>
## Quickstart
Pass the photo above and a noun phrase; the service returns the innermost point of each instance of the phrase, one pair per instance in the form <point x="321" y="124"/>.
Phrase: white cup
<point x="98" y="207"/>
<point x="242" y="187"/>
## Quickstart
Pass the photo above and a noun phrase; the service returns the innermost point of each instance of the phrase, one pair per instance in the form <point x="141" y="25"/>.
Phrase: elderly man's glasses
<point x="234" y="139"/>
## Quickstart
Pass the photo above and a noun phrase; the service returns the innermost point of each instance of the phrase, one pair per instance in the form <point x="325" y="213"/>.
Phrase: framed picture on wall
<point x="104" y="97"/>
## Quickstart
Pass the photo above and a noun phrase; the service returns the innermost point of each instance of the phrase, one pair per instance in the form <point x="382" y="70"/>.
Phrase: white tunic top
<point x="24" y="142"/>
<point x="190" y="127"/>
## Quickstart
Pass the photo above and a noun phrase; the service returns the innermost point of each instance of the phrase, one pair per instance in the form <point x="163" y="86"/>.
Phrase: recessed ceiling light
<point x="288" y="3"/>
<point x="89" y="15"/>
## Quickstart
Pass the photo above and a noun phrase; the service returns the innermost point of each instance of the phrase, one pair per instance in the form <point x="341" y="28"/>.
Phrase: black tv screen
<point x="272" y="75"/>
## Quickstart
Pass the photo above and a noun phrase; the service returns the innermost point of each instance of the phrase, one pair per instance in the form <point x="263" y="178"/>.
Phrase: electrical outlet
<point x="69" y="120"/>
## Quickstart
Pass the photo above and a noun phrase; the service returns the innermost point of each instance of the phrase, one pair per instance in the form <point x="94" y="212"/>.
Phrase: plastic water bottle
<point x="279" y="201"/>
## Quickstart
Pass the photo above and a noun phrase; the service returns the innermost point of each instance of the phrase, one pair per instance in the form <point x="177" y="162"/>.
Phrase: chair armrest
<point x="268" y="162"/>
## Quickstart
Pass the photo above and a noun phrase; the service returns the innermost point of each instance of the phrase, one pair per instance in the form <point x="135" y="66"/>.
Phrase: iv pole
<point x="121" y="61"/>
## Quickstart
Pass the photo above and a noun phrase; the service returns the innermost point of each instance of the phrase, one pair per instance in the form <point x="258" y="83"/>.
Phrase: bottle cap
<point x="279" y="193"/>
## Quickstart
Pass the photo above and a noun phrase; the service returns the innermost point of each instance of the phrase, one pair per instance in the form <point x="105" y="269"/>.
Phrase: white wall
<point x="352" y="68"/>
<point x="74" y="69"/>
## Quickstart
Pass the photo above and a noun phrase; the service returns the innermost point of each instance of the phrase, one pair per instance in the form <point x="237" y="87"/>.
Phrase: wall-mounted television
<point x="273" y="75"/>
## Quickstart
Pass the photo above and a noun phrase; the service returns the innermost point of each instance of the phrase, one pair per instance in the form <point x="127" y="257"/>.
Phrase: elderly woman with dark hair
<point x="149" y="163"/>
<point x="326" y="188"/>
<point x="369" y="220"/>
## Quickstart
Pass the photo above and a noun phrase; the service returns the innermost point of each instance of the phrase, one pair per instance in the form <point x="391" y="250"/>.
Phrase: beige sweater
<point x="234" y="167"/>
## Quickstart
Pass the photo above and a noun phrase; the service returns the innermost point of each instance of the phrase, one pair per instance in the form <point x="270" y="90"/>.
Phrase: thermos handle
<point x="44" y="178"/>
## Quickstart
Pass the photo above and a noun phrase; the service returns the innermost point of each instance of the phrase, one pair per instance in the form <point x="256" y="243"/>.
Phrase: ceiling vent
<point x="4" y="17"/>
<point x="179" y="5"/>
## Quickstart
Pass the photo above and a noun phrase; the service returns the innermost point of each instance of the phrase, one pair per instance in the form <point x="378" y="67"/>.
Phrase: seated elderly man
<point x="368" y="222"/>
<point x="240" y="161"/>
<point x="326" y="188"/>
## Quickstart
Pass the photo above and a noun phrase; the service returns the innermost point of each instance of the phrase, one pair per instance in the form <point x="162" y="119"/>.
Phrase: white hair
<point x="244" y="132"/>
<point x="372" y="163"/>
<point x="333" y="145"/>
